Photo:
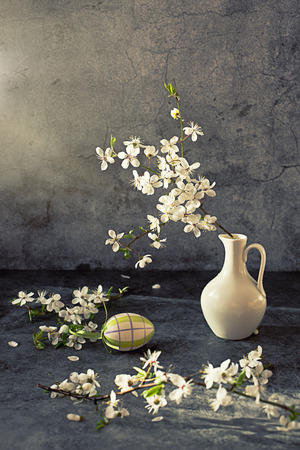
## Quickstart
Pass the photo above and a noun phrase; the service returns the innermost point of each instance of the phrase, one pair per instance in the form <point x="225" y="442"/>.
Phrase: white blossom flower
<point x="166" y="207"/>
<point x="105" y="157"/>
<point x="174" y="160"/>
<point x="124" y="381"/>
<point x="111" y="412"/>
<point x="151" y="359"/>
<point x="56" y="336"/>
<point x="260" y="373"/>
<point x="207" y="223"/>
<point x="271" y="410"/>
<point x="222" y="374"/>
<point x="255" y="390"/>
<point x="184" y="169"/>
<point x="49" y="330"/>
<point x="65" y="386"/>
<point x="41" y="296"/>
<point x="154" y="223"/>
<point x="137" y="181"/>
<point x="155" y="402"/>
<point x="207" y="188"/>
<point x="53" y="303"/>
<point x="130" y="157"/>
<point x="193" y="224"/>
<point x="98" y="296"/>
<point x="194" y="130"/>
<point x="73" y="315"/>
<point x="250" y="361"/>
<point x="149" y="183"/>
<point x="23" y="298"/>
<point x="168" y="146"/>
<point x="81" y="296"/>
<point x="175" y="113"/>
<point x="287" y="424"/>
<point x="184" y="191"/>
<point x="115" y="239"/>
<point x="150" y="151"/>
<point x="90" y="327"/>
<point x="161" y="377"/>
<point x="184" y="388"/>
<point x="133" y="143"/>
<point x="86" y="383"/>
<point x="158" y="243"/>
<point x="222" y="399"/>
<point x="75" y="341"/>
<point x="143" y="261"/>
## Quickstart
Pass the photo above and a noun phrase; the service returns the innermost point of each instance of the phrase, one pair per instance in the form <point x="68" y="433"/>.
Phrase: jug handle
<point x="262" y="252"/>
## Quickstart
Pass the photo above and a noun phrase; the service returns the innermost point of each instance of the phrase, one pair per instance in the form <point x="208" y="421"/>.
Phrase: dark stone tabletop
<point x="30" y="420"/>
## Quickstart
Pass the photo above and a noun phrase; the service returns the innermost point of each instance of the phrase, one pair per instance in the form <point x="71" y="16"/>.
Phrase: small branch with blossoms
<point x="164" y="169"/>
<point x="246" y="379"/>
<point x="73" y="318"/>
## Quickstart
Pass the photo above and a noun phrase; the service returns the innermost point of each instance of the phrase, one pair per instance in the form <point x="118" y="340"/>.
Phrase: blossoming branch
<point x="165" y="168"/>
<point x="246" y="379"/>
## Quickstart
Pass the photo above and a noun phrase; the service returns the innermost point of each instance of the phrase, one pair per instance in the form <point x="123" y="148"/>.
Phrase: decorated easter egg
<point x="127" y="331"/>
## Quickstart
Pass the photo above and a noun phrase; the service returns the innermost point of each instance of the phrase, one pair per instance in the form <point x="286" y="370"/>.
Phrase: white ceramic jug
<point x="233" y="303"/>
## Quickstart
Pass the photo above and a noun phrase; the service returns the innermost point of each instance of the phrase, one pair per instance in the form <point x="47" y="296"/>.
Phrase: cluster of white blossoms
<point x="186" y="192"/>
<point x="81" y="384"/>
<point x="246" y="379"/>
<point x="85" y="304"/>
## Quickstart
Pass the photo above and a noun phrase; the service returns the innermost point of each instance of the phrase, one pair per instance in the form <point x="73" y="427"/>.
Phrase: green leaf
<point x="127" y="254"/>
<point x="102" y="423"/>
<point x="142" y="229"/>
<point x="109" y="290"/>
<point x="59" y="344"/>
<point x="39" y="345"/>
<point x="112" y="141"/>
<point x="36" y="312"/>
<point x="241" y="379"/>
<point x="129" y="235"/>
<point x="153" y="391"/>
<point x="141" y="372"/>
<point x="87" y="334"/>
<point x="172" y="91"/>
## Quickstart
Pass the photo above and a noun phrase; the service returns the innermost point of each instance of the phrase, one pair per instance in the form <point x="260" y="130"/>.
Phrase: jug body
<point x="233" y="303"/>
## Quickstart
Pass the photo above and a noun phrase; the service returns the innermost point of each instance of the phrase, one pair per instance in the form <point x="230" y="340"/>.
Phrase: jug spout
<point x="234" y="253"/>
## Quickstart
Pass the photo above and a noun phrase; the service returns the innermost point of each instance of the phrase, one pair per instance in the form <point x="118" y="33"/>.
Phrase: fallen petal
<point x="73" y="358"/>
<point x="13" y="343"/>
<point x="156" y="286"/>
<point x="157" y="419"/>
<point x="74" y="417"/>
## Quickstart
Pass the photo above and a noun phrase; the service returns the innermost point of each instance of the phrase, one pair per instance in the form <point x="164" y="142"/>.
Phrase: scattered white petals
<point x="256" y="331"/>
<point x="156" y="286"/>
<point x="74" y="417"/>
<point x="125" y="276"/>
<point x="13" y="344"/>
<point x="73" y="358"/>
<point x="157" y="419"/>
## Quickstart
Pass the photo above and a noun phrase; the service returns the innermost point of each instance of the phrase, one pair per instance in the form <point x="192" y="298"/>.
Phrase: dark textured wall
<point x="73" y="72"/>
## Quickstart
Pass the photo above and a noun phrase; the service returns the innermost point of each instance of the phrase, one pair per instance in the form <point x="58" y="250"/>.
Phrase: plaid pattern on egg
<point x="127" y="331"/>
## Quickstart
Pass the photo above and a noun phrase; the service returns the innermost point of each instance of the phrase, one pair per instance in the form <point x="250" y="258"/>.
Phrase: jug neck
<point x="234" y="252"/>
